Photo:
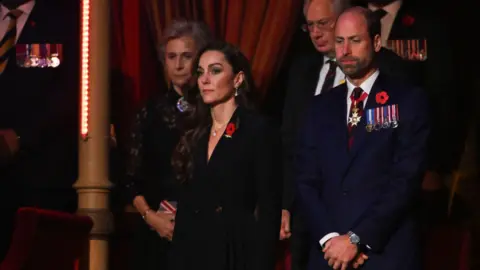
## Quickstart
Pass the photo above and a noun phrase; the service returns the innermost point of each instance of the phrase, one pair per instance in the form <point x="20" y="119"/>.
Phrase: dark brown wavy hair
<point x="198" y="122"/>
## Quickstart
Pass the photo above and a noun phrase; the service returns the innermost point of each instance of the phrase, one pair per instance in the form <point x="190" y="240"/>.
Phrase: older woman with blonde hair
<point x="155" y="133"/>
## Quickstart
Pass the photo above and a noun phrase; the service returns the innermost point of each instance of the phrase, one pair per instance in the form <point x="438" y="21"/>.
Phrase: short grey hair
<point x="339" y="6"/>
<point x="198" y="31"/>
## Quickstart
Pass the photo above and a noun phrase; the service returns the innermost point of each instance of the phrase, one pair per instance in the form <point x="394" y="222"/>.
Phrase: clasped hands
<point x="162" y="222"/>
<point x="340" y="253"/>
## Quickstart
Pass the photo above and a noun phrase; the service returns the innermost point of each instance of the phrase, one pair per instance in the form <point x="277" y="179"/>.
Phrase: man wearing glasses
<point x="311" y="75"/>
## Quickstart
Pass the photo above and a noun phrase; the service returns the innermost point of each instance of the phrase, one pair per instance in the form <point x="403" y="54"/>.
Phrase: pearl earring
<point x="236" y="91"/>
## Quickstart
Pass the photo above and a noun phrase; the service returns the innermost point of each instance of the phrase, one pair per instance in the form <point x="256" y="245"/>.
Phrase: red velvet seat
<point x="45" y="239"/>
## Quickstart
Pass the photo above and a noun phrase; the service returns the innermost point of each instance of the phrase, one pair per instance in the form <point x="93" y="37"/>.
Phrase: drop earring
<point x="236" y="91"/>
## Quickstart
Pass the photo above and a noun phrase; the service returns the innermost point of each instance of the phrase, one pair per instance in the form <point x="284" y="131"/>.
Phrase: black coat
<point x="229" y="212"/>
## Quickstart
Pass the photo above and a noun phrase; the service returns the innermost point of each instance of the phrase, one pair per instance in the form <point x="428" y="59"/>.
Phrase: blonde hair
<point x="198" y="31"/>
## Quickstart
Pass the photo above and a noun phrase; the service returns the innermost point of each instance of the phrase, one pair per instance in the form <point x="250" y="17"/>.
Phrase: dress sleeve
<point x="134" y="155"/>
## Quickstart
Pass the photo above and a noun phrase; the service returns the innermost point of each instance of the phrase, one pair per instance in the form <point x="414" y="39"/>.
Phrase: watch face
<point x="354" y="239"/>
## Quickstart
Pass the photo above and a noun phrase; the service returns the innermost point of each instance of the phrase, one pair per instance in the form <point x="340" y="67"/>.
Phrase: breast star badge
<point x="355" y="119"/>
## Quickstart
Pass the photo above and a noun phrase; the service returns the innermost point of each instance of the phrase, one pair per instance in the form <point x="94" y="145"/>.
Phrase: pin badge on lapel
<point x="408" y="20"/>
<point x="230" y="130"/>
<point x="381" y="97"/>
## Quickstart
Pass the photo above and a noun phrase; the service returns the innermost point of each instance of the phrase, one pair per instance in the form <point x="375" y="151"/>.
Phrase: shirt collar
<point x="326" y="59"/>
<point x="26" y="8"/>
<point x="391" y="8"/>
<point x="366" y="85"/>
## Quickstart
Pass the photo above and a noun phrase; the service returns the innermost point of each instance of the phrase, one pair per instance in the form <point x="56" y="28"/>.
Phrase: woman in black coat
<point x="228" y="162"/>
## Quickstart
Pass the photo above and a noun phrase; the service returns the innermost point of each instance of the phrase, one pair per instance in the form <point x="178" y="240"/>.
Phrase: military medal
<point x="42" y="57"/>
<point x="369" y="126"/>
<point x="54" y="60"/>
<point x="378" y="124"/>
<point x="386" y="117"/>
<point x="355" y="119"/>
<point x="395" y="117"/>
<point x="422" y="50"/>
<point x="26" y="57"/>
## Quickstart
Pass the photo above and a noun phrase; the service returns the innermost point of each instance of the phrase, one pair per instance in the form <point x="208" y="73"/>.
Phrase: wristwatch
<point x="354" y="239"/>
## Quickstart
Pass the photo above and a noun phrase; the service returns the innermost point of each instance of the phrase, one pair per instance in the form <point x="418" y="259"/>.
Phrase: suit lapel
<point x="32" y="29"/>
<point x="399" y="30"/>
<point x="339" y="142"/>
<point x="201" y="154"/>
<point x="224" y="143"/>
<point x="313" y="75"/>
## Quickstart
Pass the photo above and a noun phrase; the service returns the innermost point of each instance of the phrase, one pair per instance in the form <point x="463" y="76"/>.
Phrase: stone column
<point x="93" y="185"/>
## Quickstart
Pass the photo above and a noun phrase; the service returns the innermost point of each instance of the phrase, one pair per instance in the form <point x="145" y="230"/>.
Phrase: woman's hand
<point x="285" y="232"/>
<point x="162" y="222"/>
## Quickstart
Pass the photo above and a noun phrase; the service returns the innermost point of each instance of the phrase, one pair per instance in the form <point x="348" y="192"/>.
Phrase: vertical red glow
<point x="85" y="69"/>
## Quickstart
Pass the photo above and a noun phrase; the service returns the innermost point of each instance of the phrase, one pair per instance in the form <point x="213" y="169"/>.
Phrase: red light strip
<point x="85" y="83"/>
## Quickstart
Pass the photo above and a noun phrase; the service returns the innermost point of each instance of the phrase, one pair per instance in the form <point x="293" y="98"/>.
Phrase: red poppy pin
<point x="408" y="20"/>
<point x="381" y="97"/>
<point x="32" y="23"/>
<point x="230" y="130"/>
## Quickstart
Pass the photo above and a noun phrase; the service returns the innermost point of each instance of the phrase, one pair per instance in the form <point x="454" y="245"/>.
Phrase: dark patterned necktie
<point x="8" y="41"/>
<point x="357" y="97"/>
<point x="330" y="78"/>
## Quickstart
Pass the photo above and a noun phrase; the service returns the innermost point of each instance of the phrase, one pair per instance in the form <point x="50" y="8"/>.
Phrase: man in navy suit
<point x="360" y="158"/>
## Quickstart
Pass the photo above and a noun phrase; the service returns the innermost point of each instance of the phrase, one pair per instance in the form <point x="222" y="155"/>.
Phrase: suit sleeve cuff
<point x="327" y="237"/>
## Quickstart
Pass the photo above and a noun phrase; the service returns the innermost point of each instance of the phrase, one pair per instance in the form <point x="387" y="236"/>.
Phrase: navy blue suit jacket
<point x="371" y="188"/>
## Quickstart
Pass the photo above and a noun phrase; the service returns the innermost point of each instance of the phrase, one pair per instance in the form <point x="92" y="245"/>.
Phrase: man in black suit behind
<point x="38" y="111"/>
<point x="312" y="75"/>
<point x="446" y="80"/>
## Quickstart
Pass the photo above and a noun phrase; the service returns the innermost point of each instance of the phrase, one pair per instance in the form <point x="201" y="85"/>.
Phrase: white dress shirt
<point x="21" y="20"/>
<point x="339" y="76"/>
<point x="367" y="88"/>
<point x="389" y="18"/>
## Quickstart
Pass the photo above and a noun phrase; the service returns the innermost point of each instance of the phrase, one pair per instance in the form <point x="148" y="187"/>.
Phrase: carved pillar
<point x="93" y="185"/>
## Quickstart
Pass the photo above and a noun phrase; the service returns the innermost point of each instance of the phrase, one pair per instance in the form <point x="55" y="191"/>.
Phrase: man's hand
<point x="285" y="232"/>
<point x="359" y="260"/>
<point x="339" y="252"/>
<point x="113" y="136"/>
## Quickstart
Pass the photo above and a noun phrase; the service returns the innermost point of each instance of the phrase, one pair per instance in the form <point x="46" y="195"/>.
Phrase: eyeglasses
<point x="322" y="25"/>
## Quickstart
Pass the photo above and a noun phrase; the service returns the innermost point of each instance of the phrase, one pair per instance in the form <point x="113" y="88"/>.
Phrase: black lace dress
<point x="154" y="136"/>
